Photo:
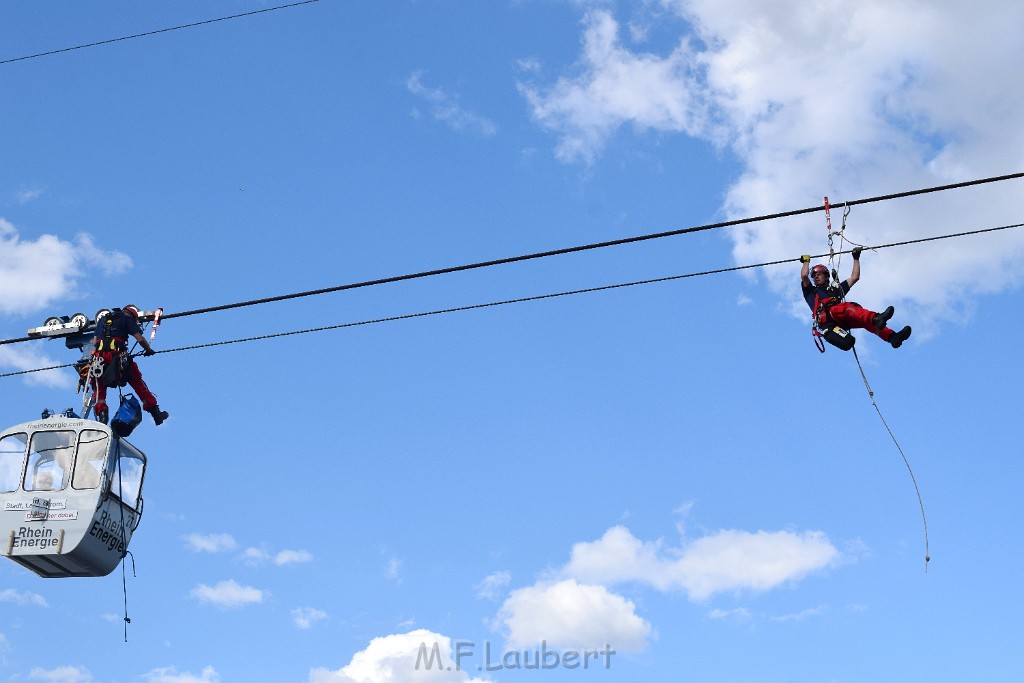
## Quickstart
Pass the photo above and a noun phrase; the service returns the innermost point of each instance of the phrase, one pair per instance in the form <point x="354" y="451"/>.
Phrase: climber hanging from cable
<point x="829" y="309"/>
<point x="112" y="333"/>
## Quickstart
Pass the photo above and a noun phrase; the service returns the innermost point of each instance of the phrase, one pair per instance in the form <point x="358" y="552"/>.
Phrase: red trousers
<point x="850" y="315"/>
<point x="134" y="380"/>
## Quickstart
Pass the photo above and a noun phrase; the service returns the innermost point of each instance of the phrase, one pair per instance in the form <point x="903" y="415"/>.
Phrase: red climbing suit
<point x="849" y="315"/>
<point x="130" y="373"/>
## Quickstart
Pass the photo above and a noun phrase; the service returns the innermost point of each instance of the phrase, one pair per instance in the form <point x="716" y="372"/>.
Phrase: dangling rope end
<point x="910" y="471"/>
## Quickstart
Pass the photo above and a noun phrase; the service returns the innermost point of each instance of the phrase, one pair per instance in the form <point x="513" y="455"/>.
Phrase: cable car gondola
<point x="70" y="495"/>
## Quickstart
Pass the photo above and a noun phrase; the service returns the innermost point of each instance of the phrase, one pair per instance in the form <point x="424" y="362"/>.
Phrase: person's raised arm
<point x="855" y="272"/>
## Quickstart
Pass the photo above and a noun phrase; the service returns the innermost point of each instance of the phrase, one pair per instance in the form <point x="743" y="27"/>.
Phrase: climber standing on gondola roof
<point x="826" y="302"/>
<point x="111" y="340"/>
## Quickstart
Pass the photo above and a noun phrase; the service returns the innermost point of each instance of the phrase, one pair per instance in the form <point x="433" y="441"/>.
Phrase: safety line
<point x="424" y="314"/>
<point x="124" y="529"/>
<point x="917" y="490"/>
<point x="520" y="300"/>
<point x="569" y="250"/>
<point x="585" y="247"/>
<point x="150" y="33"/>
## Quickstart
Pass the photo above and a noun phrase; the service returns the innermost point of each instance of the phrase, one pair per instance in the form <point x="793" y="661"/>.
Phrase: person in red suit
<point x="829" y="308"/>
<point x="111" y="344"/>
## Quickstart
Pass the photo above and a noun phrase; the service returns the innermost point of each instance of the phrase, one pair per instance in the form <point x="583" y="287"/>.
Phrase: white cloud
<point x="25" y="357"/>
<point x="29" y="194"/>
<point x="615" y="87"/>
<point x="62" y="674"/>
<point x="292" y="557"/>
<point x="445" y="108"/>
<point x="210" y="543"/>
<point x="108" y="262"/>
<point x="305" y="617"/>
<point x="255" y="556"/>
<point x="36" y="273"/>
<point x="171" y="675"/>
<point x="743" y="614"/>
<point x="739" y="613"/>
<point x="727" y="560"/>
<point x="810" y="111"/>
<point x="576" y="610"/>
<point x="22" y="598"/>
<point x="492" y="585"/>
<point x="227" y="594"/>
<point x="393" y="570"/>
<point x="393" y="659"/>
<point x="802" y="614"/>
<point x="572" y="615"/>
<point x="528" y="65"/>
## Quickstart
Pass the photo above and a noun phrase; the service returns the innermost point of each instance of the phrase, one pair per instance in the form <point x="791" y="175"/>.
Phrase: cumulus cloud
<point x="743" y="614"/>
<point x="809" y="110"/>
<point x="571" y="615"/>
<point x="575" y="608"/>
<point x="9" y="595"/>
<point x="26" y="195"/>
<point x="727" y="560"/>
<point x="393" y="570"/>
<point x="492" y="585"/>
<point x="61" y="674"/>
<point x="292" y="557"/>
<point x="738" y="613"/>
<point x="393" y="659"/>
<point x="254" y="557"/>
<point x="171" y="675"/>
<point x="25" y="357"/>
<point x="227" y="594"/>
<point x="305" y="617"/>
<point x="617" y="86"/>
<point x="802" y="614"/>
<point x="36" y="273"/>
<point x="445" y="107"/>
<point x="210" y="543"/>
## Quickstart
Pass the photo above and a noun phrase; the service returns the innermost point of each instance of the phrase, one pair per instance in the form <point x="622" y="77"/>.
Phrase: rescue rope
<point x="588" y="247"/>
<point x="917" y="490"/>
<point x="120" y="506"/>
<point x="520" y="300"/>
<point x="833" y="264"/>
<point x="124" y="590"/>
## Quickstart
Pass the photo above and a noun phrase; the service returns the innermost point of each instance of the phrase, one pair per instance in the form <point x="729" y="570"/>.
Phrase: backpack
<point x="127" y="417"/>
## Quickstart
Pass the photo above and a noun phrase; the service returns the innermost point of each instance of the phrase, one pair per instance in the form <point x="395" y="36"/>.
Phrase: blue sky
<point x="670" y="469"/>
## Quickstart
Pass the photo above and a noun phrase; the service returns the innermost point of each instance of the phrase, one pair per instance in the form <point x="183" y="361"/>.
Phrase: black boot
<point x="882" y="318"/>
<point x="158" y="415"/>
<point x="101" y="415"/>
<point x="898" y="338"/>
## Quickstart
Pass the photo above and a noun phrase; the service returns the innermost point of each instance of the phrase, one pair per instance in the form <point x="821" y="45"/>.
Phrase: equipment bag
<point x="838" y="337"/>
<point x="127" y="417"/>
<point x="116" y="372"/>
<point x="111" y="376"/>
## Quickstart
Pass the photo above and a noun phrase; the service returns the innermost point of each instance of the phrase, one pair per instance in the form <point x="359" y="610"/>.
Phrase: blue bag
<point x="127" y="417"/>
